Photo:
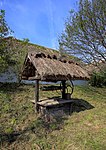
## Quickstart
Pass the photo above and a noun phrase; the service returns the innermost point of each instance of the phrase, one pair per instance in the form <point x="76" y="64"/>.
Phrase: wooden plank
<point x="52" y="102"/>
<point x="50" y="88"/>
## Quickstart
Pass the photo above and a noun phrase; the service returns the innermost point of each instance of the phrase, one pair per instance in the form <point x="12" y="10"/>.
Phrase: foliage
<point x="11" y="54"/>
<point x="85" y="31"/>
<point x="5" y="52"/>
<point x="19" y="51"/>
<point x="4" y="28"/>
<point x="26" y="40"/>
<point x="14" y="57"/>
<point x="98" y="79"/>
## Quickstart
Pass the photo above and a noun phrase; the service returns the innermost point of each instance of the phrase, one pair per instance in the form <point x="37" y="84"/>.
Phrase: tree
<point x="5" y="53"/>
<point x="4" y="28"/>
<point x="85" y="31"/>
<point x="12" y="51"/>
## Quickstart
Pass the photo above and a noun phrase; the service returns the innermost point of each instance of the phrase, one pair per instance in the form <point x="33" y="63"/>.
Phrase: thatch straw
<point x="50" y="68"/>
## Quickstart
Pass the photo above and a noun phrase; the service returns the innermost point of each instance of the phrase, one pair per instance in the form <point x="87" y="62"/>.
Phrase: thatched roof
<point x="47" y="67"/>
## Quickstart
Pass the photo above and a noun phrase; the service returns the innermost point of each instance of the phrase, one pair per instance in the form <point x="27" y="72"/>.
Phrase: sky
<point x="41" y="21"/>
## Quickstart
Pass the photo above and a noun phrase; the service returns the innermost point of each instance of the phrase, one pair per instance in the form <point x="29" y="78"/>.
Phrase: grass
<point x="21" y="129"/>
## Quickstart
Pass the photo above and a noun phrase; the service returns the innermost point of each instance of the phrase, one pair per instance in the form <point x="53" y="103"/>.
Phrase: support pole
<point x="63" y="89"/>
<point x="36" y="94"/>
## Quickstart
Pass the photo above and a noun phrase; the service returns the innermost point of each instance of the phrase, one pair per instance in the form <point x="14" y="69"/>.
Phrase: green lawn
<point x="21" y="129"/>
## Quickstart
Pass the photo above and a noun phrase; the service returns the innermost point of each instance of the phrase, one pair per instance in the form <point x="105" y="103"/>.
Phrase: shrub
<point x="98" y="79"/>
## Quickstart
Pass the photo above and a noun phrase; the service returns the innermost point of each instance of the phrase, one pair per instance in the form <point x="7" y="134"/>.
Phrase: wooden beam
<point x="63" y="89"/>
<point x="36" y="95"/>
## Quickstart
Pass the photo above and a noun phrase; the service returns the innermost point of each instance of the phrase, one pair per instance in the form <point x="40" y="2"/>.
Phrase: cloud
<point x="1" y="4"/>
<point x="50" y="11"/>
<point x="33" y="19"/>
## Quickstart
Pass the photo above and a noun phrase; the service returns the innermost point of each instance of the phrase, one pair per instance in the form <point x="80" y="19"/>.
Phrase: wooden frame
<point x="36" y="95"/>
<point x="63" y="89"/>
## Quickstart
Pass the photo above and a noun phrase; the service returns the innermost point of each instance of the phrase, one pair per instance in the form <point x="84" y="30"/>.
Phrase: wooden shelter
<point x="44" y="67"/>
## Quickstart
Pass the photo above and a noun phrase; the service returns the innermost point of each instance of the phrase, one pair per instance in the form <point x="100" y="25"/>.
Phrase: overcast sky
<point x="41" y="21"/>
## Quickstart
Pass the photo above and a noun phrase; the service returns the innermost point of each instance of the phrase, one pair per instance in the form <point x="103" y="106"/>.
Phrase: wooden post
<point x="63" y="89"/>
<point x="36" y="94"/>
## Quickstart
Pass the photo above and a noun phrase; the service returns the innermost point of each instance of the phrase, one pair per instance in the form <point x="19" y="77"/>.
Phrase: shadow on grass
<point x="8" y="137"/>
<point x="70" y="106"/>
<point x="13" y="87"/>
<point x="39" y="128"/>
<point x="79" y="105"/>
